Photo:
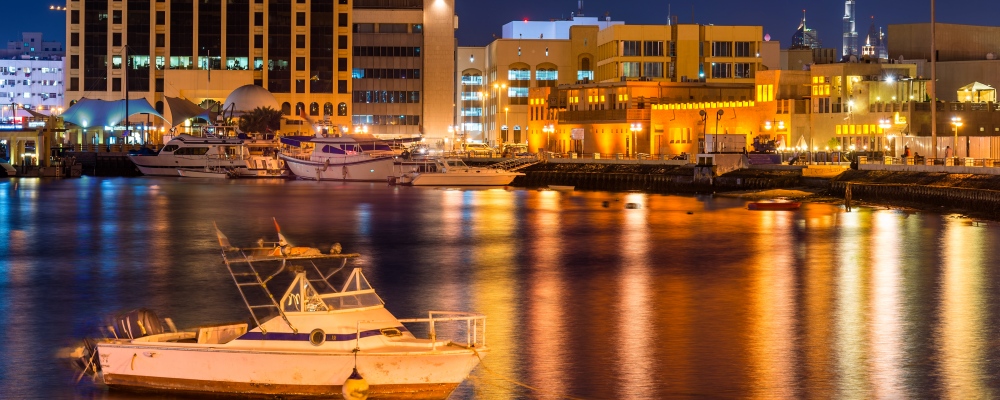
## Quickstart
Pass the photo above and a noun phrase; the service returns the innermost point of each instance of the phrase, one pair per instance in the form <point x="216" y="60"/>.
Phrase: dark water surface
<point x="682" y="297"/>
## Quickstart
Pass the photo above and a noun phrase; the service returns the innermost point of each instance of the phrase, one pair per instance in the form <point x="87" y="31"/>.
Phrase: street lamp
<point x="718" y="116"/>
<point x="548" y="129"/>
<point x="704" y="124"/>
<point x="500" y="87"/>
<point x="885" y="124"/>
<point x="634" y="128"/>
<point x="957" y="122"/>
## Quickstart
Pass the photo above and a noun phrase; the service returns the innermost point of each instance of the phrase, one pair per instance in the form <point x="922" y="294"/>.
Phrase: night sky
<point x="479" y="19"/>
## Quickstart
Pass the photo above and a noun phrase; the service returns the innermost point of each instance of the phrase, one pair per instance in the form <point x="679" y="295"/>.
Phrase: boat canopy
<point x="295" y="140"/>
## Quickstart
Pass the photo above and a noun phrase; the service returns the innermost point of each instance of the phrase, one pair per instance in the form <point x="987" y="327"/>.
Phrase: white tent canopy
<point x="246" y="98"/>
<point x="92" y="112"/>
<point x="977" y="92"/>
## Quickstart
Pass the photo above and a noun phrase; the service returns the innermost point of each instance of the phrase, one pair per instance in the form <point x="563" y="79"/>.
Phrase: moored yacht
<point x="455" y="172"/>
<point x="198" y="153"/>
<point x="326" y="333"/>
<point x="339" y="158"/>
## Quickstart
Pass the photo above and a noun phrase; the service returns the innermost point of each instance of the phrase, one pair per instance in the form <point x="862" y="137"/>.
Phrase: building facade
<point x="35" y="85"/>
<point x="33" y="46"/>
<point x="404" y="66"/>
<point x="677" y="53"/>
<point x="299" y="50"/>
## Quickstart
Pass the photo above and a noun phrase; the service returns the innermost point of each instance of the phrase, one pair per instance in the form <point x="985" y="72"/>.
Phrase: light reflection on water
<point x="679" y="297"/>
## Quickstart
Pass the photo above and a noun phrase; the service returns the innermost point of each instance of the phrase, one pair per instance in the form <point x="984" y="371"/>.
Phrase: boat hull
<point x="485" y="178"/>
<point x="773" y="206"/>
<point x="359" y="169"/>
<point x="168" y="165"/>
<point x="416" y="374"/>
<point x="192" y="173"/>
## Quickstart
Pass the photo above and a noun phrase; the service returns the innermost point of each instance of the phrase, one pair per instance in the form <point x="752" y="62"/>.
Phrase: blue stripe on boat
<point x="332" y="337"/>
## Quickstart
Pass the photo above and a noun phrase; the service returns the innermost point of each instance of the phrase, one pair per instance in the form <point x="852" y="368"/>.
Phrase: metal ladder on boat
<point x="250" y="277"/>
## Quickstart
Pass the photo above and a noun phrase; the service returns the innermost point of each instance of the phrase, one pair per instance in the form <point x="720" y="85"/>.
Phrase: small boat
<point x="319" y="337"/>
<point x="774" y="205"/>
<point x="562" y="188"/>
<point x="455" y="172"/>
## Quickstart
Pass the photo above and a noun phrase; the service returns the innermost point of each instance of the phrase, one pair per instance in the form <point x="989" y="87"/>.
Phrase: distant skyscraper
<point x="850" y="31"/>
<point x="875" y="46"/>
<point x="805" y="38"/>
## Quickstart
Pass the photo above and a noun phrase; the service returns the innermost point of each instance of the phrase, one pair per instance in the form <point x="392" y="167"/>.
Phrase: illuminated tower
<point x="850" y="32"/>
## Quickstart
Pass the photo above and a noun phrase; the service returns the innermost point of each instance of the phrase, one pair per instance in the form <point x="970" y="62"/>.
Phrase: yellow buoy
<point x="355" y="387"/>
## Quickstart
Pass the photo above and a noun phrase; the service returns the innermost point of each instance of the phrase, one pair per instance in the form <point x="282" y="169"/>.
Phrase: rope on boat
<point x="524" y="385"/>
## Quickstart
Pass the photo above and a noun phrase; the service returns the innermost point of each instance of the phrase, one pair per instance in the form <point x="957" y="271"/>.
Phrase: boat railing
<point x="475" y="326"/>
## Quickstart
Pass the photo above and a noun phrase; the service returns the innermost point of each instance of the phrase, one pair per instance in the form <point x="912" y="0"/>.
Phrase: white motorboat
<point x="307" y="342"/>
<point x="455" y="172"/>
<point x="339" y="158"/>
<point x="198" y="153"/>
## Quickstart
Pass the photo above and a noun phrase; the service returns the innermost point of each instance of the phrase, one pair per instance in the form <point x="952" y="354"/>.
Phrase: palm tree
<point x="261" y="120"/>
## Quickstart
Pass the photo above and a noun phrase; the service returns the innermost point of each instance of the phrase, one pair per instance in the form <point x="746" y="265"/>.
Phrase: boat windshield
<point x="303" y="296"/>
<point x="456" y="163"/>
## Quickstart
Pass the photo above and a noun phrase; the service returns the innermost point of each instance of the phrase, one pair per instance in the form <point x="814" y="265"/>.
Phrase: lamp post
<point x="482" y="115"/>
<point x="704" y="123"/>
<point x="718" y="116"/>
<point x="500" y="87"/>
<point x="548" y="129"/>
<point x="957" y="122"/>
<point x="885" y="124"/>
<point x="634" y="128"/>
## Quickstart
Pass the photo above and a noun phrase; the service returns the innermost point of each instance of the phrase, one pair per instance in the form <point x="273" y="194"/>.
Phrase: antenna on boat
<point x="355" y="387"/>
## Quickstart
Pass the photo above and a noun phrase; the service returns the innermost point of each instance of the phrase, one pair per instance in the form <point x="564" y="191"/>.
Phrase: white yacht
<point x="339" y="158"/>
<point x="328" y="334"/>
<point x="455" y="172"/>
<point x="198" y="153"/>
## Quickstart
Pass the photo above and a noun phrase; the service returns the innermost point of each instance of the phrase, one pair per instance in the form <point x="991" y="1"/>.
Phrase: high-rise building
<point x="805" y="37"/>
<point x="404" y="66"/>
<point x="202" y="50"/>
<point x="850" y="30"/>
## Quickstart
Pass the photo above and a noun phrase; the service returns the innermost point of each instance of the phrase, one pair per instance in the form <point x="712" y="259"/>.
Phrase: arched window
<point x="342" y="110"/>
<point x="314" y="109"/>
<point x="300" y="108"/>
<point x="286" y="108"/>
<point x="328" y="109"/>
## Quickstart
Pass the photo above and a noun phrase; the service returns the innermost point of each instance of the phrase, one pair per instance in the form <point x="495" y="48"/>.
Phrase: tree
<point x="260" y="120"/>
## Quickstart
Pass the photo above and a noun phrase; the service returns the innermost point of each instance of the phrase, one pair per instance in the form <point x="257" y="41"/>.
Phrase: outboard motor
<point x="136" y="324"/>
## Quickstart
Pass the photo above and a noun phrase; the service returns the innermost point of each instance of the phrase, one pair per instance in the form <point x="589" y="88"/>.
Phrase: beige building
<point x="680" y="53"/>
<point x="404" y="67"/>
<point x="966" y="54"/>
<point x="386" y="66"/>
<point x="300" y="51"/>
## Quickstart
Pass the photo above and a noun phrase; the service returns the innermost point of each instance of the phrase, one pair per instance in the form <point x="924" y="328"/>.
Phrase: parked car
<point x="515" y="150"/>
<point x="480" y="150"/>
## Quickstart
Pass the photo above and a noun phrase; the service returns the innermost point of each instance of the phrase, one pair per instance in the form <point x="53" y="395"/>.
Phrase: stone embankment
<point x="652" y="178"/>
<point x="972" y="194"/>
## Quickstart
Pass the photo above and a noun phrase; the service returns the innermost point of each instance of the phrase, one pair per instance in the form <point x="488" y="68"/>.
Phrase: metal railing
<point x="921" y="160"/>
<point x="475" y="326"/>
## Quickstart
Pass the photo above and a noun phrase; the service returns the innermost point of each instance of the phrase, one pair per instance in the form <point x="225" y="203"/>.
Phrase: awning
<point x="182" y="109"/>
<point x="91" y="112"/>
